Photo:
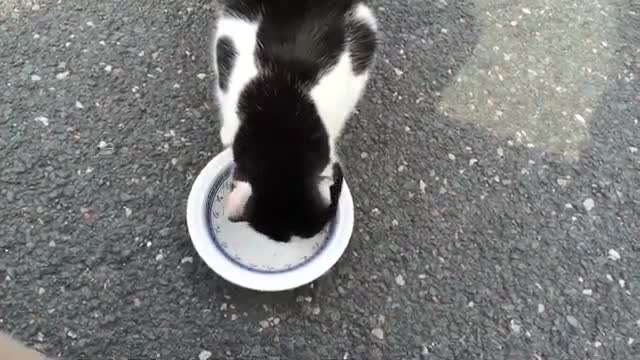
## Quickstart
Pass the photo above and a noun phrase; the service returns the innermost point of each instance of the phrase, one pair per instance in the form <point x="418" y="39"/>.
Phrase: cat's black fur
<point x="226" y="57"/>
<point x="281" y="146"/>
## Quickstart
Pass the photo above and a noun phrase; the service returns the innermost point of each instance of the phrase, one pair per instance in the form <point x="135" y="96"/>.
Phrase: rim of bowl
<point x="197" y="225"/>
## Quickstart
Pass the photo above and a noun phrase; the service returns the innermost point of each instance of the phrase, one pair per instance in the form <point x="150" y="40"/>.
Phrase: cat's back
<point x="327" y="47"/>
<point x="302" y="37"/>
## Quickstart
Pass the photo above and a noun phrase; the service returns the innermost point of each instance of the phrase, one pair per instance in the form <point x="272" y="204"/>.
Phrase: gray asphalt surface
<point x="470" y="242"/>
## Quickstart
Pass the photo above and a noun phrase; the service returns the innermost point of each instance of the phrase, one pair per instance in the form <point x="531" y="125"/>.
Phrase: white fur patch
<point x="364" y="13"/>
<point x="337" y="94"/>
<point x="236" y="200"/>
<point x="243" y="35"/>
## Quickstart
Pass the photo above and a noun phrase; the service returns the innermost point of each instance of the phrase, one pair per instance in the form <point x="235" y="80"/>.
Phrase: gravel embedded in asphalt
<point x="472" y="240"/>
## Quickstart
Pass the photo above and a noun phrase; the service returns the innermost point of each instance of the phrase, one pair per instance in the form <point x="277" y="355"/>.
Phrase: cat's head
<point x="285" y="182"/>
<point x="295" y="207"/>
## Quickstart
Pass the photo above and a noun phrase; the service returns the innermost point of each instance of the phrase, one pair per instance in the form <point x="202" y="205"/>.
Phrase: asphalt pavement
<point x="494" y="163"/>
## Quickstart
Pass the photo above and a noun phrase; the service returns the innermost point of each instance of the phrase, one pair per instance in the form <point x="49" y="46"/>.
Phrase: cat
<point x="11" y="349"/>
<point x="289" y="75"/>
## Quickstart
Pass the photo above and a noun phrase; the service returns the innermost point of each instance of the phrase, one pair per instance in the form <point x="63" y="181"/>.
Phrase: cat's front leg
<point x="230" y="122"/>
<point x="229" y="128"/>
<point x="227" y="133"/>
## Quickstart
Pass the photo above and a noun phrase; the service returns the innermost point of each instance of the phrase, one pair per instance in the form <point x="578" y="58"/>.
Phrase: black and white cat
<point x="289" y="75"/>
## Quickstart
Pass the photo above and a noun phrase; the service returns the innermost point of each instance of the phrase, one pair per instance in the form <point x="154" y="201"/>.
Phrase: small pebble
<point x="79" y="105"/>
<point x="400" y="280"/>
<point x="43" y="120"/>
<point x="515" y="327"/>
<point x="588" y="204"/>
<point x="202" y="76"/>
<point x="587" y="292"/>
<point x="35" y="78"/>
<point x="186" y="259"/>
<point x="316" y="311"/>
<point x="62" y="75"/>
<point x="264" y="324"/>
<point x="572" y="321"/>
<point x="378" y="333"/>
<point x="423" y="186"/>
<point x="204" y="355"/>
<point x="614" y="255"/>
<point x="540" y="308"/>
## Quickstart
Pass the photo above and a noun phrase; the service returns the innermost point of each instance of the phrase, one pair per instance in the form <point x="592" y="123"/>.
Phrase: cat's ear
<point x="330" y="184"/>
<point x="324" y="186"/>
<point x="235" y="203"/>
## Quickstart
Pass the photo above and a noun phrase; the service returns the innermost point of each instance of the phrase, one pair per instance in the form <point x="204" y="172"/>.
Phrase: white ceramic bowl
<point x="247" y="258"/>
